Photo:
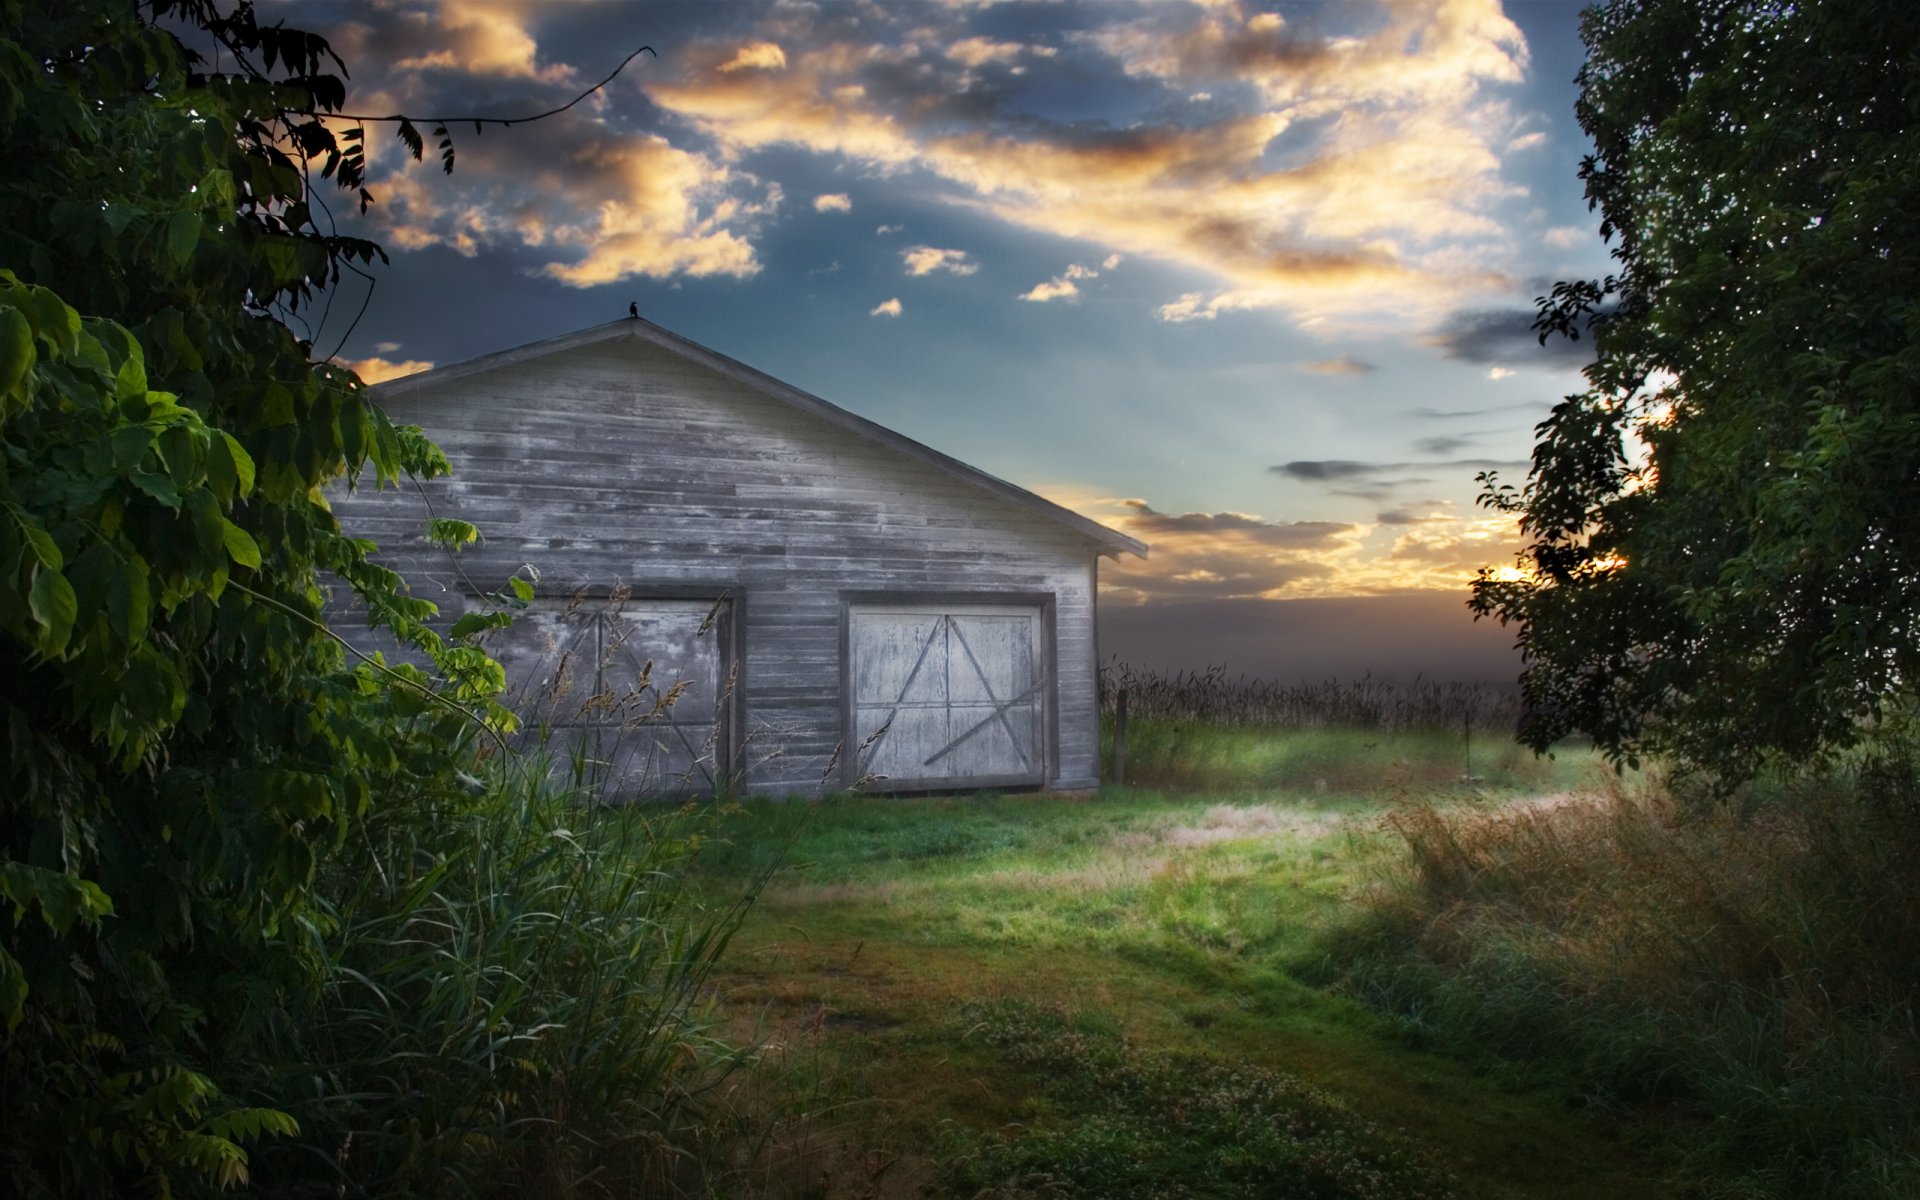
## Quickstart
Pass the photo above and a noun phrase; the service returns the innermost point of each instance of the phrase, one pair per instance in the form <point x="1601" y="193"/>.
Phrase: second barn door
<point x="947" y="695"/>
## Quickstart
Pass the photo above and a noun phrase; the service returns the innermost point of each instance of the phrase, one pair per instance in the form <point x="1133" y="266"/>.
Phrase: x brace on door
<point x="950" y="627"/>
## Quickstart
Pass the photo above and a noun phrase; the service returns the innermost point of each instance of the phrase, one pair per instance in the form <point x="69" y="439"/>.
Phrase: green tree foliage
<point x="182" y="742"/>
<point x="1724" y="528"/>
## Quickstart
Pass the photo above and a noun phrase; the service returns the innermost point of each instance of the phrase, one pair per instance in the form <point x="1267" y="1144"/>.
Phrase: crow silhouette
<point x="633" y="310"/>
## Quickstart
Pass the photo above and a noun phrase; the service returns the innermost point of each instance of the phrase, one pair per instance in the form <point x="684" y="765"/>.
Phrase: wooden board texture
<point x="624" y="465"/>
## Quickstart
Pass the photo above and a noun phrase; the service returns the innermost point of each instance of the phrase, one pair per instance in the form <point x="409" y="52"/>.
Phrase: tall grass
<point x="1743" y="979"/>
<point x="1214" y="697"/>
<point x="515" y="1003"/>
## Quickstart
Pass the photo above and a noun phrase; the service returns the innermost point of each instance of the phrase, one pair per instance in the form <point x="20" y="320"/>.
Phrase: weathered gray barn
<point x="824" y="600"/>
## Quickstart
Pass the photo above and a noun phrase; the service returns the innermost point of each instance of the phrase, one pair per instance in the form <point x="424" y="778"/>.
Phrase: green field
<point x="1105" y="995"/>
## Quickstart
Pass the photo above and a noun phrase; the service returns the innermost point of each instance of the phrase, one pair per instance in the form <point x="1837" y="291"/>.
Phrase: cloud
<point x="1442" y="445"/>
<point x="658" y="212"/>
<point x="1363" y="176"/>
<point x="1059" y="288"/>
<point x="886" y="308"/>
<point x="1505" y="336"/>
<point x="1566" y="236"/>
<point x="1063" y="286"/>
<point x="1499" y="373"/>
<point x="1329" y="470"/>
<point x="1111" y="261"/>
<point x="593" y="201"/>
<point x="1338" y="366"/>
<point x="1289" y="535"/>
<point x="1339" y="470"/>
<point x="755" y="56"/>
<point x="1218" y="556"/>
<point x="1527" y="141"/>
<point x="925" y="260"/>
<point x="979" y="51"/>
<point x="478" y="38"/>
<point x="379" y="370"/>
<point x="833" y="202"/>
<point x="1414" y="515"/>
<point x="884" y="230"/>
<point x="1353" y="166"/>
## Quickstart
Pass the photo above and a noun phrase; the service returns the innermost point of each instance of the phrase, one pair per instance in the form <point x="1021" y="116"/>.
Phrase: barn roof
<point x="1110" y="541"/>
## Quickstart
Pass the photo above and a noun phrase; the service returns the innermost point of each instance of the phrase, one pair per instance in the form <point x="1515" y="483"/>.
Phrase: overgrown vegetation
<point x="513" y="1002"/>
<point x="1742" y="979"/>
<point x="266" y="917"/>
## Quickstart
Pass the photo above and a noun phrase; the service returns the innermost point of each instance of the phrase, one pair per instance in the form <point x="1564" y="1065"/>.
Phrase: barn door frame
<point x="729" y="629"/>
<point x="1049" y="747"/>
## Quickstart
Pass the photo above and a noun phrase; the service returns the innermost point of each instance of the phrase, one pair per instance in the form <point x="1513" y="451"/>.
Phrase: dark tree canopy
<point x="182" y="741"/>
<point x="1724" y="529"/>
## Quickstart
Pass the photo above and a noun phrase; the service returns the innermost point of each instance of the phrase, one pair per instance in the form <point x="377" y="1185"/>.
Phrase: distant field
<point x="1013" y="995"/>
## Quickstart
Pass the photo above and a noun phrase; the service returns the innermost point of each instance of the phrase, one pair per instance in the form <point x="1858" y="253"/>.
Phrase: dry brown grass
<point x="1751" y="969"/>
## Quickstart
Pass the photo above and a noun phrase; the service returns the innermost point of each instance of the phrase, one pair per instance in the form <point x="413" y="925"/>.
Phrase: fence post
<point x="1119" y="772"/>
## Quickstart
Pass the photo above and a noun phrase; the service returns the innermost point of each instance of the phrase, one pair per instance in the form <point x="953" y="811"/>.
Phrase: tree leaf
<point x="54" y="606"/>
<point x="241" y="546"/>
<point x="240" y="460"/>
<point x="183" y="235"/>
<point x="16" y="351"/>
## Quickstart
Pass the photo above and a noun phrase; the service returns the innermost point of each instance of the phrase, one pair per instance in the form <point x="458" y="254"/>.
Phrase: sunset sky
<point x="1249" y="282"/>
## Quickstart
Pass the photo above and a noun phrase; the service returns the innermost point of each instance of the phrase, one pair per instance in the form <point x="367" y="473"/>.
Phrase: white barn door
<point x="945" y="695"/>
<point x="633" y="694"/>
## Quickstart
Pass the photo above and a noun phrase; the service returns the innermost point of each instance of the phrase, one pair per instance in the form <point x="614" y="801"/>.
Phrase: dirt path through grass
<point x="1169" y="929"/>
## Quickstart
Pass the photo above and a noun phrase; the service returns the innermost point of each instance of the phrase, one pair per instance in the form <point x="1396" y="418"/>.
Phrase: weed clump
<point x="1122" y="1122"/>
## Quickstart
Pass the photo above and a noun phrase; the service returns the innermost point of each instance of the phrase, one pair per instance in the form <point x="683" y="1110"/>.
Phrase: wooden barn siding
<point x="626" y="463"/>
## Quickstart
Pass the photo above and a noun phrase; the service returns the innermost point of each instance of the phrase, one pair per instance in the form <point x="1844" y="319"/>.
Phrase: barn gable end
<point x="625" y="457"/>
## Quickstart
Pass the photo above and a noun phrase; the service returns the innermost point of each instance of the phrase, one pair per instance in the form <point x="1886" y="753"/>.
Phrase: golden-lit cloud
<point x="833" y="202"/>
<point x="925" y="260"/>
<point x="1363" y="181"/>
<point x="886" y="308"/>
<point x="1058" y="288"/>
<point x="606" y="207"/>
<point x="1065" y="285"/>
<point x="1356" y="170"/>
<point x="1242" y="556"/>
<point x="484" y="38"/>
<point x="378" y="369"/>
<point x="979" y="51"/>
<point x="755" y="56"/>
